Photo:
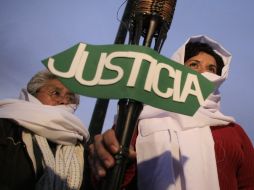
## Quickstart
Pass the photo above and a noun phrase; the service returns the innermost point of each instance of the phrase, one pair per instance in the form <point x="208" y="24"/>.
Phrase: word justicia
<point x="191" y="84"/>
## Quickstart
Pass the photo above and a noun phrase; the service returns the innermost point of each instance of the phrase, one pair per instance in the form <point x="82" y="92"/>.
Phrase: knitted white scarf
<point x="57" y="124"/>
<point x="176" y="152"/>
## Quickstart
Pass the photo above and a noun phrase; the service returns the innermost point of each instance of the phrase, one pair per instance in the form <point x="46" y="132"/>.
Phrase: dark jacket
<point x="16" y="167"/>
<point x="15" y="164"/>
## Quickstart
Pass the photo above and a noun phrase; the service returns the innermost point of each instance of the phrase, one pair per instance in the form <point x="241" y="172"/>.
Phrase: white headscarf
<point x="175" y="151"/>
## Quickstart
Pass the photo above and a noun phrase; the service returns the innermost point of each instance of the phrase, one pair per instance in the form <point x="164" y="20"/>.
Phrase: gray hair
<point x="40" y="79"/>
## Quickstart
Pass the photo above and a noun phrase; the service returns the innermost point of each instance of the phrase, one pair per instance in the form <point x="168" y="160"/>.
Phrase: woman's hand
<point x="101" y="153"/>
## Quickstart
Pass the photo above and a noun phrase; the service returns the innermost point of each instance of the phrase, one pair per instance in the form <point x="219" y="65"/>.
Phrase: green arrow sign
<point x="130" y="71"/>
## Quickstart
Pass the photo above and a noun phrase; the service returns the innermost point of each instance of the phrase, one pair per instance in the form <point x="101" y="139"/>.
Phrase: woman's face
<point x="55" y="93"/>
<point x="202" y="62"/>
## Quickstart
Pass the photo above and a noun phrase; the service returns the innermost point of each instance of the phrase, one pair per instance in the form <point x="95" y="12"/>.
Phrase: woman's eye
<point x="55" y="93"/>
<point x="212" y="69"/>
<point x="193" y="65"/>
<point x="71" y="98"/>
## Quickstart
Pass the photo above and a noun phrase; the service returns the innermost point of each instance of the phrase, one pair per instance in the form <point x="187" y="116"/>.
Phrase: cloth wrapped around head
<point x="173" y="145"/>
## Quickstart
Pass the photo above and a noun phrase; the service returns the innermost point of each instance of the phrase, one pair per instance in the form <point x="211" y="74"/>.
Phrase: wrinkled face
<point x="202" y="62"/>
<point x="55" y="93"/>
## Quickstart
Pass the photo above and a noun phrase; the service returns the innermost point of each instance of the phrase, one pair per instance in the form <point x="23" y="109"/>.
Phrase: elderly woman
<point x="41" y="140"/>
<point x="177" y="152"/>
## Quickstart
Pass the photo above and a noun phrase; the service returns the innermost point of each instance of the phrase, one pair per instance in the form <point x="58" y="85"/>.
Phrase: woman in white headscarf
<point x="41" y="140"/>
<point x="177" y="152"/>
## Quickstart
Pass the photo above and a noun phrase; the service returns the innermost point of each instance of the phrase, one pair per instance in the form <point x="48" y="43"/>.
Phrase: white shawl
<point x="56" y="123"/>
<point x="176" y="152"/>
<point x="64" y="170"/>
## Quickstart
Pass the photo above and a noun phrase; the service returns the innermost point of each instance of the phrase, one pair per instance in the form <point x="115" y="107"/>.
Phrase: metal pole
<point x="101" y="106"/>
<point x="151" y="20"/>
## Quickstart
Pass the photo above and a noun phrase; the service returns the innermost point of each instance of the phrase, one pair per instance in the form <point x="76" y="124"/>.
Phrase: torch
<point x="149" y="23"/>
<point x="101" y="105"/>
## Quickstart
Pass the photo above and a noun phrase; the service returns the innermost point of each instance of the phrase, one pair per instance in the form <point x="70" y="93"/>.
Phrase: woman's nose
<point x="62" y="100"/>
<point x="202" y="69"/>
